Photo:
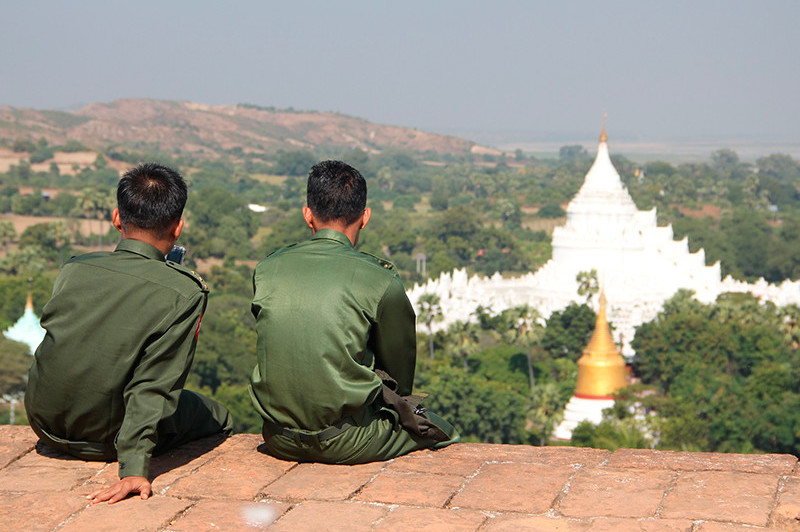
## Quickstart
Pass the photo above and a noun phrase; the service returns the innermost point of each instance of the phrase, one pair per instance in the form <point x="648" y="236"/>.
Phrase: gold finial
<point x="29" y="300"/>
<point x="603" y="135"/>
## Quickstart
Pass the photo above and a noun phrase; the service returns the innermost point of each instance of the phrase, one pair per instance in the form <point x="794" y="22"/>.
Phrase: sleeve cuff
<point x="133" y="466"/>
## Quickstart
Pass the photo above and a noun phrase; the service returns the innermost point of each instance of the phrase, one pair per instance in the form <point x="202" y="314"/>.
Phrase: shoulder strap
<point x="189" y="273"/>
<point x="381" y="261"/>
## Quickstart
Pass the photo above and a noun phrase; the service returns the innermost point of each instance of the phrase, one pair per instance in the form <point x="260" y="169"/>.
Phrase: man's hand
<point x="122" y="489"/>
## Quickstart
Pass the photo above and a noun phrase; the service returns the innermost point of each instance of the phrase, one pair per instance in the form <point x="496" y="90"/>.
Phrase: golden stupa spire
<point x="603" y="135"/>
<point x="601" y="369"/>
<point x="29" y="301"/>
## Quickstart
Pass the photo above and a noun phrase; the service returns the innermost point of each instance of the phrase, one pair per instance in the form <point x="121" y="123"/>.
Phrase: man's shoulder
<point x="129" y="265"/>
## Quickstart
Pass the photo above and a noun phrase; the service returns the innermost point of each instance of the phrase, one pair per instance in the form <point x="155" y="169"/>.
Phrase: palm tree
<point x="546" y="409"/>
<point x="96" y="205"/>
<point x="525" y="332"/>
<point x="60" y="235"/>
<point x="463" y="339"/>
<point x="429" y="311"/>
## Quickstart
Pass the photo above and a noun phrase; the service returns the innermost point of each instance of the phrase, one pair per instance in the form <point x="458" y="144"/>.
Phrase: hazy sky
<point x="536" y="70"/>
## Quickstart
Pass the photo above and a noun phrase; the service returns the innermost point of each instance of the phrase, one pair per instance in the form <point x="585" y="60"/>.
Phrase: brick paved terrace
<point x="230" y="485"/>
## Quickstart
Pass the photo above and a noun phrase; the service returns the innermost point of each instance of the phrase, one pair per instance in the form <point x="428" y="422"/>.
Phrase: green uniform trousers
<point x="196" y="417"/>
<point x="376" y="436"/>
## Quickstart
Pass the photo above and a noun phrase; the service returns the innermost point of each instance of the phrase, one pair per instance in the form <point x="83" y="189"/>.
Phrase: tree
<point x="523" y="330"/>
<point x="14" y="364"/>
<point x="96" y="204"/>
<point x="567" y="332"/>
<point x="217" y="359"/>
<point x="294" y="163"/>
<point x="551" y="210"/>
<point x="483" y="410"/>
<point x="27" y="262"/>
<point x="572" y="154"/>
<point x="546" y="409"/>
<point x="7" y="233"/>
<point x="429" y="312"/>
<point x="462" y="338"/>
<point x="587" y="284"/>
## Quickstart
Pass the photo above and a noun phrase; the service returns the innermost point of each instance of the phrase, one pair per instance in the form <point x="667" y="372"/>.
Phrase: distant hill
<point x="211" y="130"/>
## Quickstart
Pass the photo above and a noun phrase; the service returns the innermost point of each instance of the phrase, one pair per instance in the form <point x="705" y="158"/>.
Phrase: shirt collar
<point x="140" y="248"/>
<point x="332" y="234"/>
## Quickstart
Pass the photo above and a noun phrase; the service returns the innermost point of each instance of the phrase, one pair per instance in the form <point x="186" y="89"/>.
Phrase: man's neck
<point x="162" y="244"/>
<point x="350" y="231"/>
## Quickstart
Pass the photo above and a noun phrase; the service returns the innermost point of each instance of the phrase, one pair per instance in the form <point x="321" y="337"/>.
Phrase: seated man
<point x="327" y="316"/>
<point x="122" y="327"/>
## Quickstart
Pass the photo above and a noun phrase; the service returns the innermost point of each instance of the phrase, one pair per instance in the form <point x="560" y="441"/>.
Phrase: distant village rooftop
<point x="232" y="485"/>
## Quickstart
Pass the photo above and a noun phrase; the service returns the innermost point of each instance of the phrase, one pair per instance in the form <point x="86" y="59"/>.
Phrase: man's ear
<point x="176" y="231"/>
<point x="365" y="217"/>
<point x="116" y="221"/>
<point x="308" y="216"/>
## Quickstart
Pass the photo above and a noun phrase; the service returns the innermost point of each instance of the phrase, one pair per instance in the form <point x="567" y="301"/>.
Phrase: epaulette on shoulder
<point x="189" y="273"/>
<point x="381" y="261"/>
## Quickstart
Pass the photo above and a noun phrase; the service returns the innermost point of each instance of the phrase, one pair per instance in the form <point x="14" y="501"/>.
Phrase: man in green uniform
<point x="327" y="316"/>
<point x="122" y="328"/>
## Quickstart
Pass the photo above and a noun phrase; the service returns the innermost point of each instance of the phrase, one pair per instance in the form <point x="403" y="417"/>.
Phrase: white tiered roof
<point x="639" y="264"/>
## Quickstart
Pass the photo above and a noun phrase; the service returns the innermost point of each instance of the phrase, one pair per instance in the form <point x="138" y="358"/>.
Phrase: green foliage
<point x="611" y="434"/>
<point x="568" y="331"/>
<point x="220" y="224"/>
<point x="14" y="364"/>
<point x="23" y="145"/>
<point x="288" y="230"/>
<point x="237" y="399"/>
<point x="294" y="163"/>
<point x="42" y="152"/>
<point x="226" y="349"/>
<point x="727" y="374"/>
<point x="551" y="210"/>
<point x="481" y="409"/>
<point x="72" y="146"/>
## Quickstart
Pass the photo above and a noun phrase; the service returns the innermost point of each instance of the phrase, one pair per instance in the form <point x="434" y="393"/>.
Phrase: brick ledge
<point x="230" y="485"/>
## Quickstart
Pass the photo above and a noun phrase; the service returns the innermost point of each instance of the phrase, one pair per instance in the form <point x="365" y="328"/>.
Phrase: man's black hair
<point x="336" y="191"/>
<point x="151" y="197"/>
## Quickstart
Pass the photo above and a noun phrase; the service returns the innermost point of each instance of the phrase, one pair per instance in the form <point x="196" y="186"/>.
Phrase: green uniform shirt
<point x="121" y="333"/>
<point x="326" y="315"/>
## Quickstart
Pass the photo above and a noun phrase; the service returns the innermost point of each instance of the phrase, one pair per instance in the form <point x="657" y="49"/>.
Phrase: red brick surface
<point x="602" y="492"/>
<point x="412" y="489"/>
<point x="514" y="487"/>
<point x="723" y="496"/>
<point x="231" y="485"/>
<point x="322" y="482"/>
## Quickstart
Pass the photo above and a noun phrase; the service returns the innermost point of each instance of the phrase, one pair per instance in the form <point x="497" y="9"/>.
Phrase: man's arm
<point x="394" y="337"/>
<point x="150" y="396"/>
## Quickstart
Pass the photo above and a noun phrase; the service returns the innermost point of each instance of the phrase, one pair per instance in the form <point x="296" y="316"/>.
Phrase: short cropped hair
<point x="336" y="191"/>
<point x="151" y="197"/>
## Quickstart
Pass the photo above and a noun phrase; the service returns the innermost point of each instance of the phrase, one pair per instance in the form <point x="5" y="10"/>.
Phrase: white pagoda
<point x="27" y="328"/>
<point x="638" y="264"/>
